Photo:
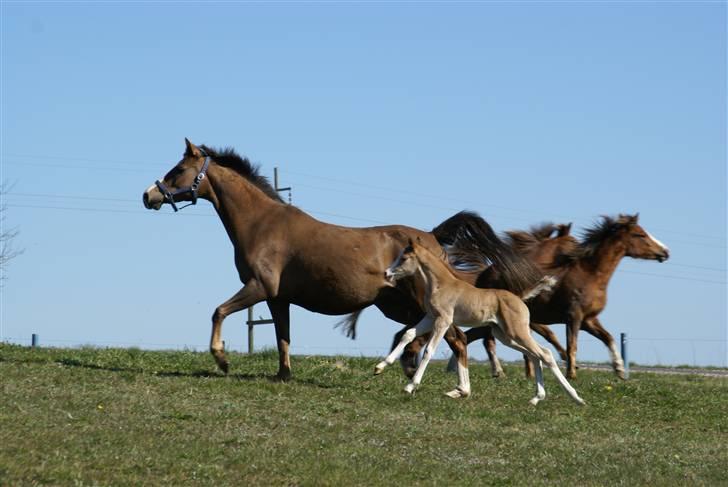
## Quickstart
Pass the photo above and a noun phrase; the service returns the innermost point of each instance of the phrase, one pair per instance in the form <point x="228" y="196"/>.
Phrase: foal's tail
<point x="545" y="284"/>
<point x="470" y="240"/>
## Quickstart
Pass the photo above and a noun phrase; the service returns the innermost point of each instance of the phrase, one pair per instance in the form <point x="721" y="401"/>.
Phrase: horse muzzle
<point x="663" y="256"/>
<point x="153" y="198"/>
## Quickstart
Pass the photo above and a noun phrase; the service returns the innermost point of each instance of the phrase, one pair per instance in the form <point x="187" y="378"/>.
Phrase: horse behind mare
<point x="584" y="273"/>
<point x="284" y="256"/>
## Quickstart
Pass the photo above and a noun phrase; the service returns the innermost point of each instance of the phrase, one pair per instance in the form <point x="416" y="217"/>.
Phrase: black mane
<point x="229" y="158"/>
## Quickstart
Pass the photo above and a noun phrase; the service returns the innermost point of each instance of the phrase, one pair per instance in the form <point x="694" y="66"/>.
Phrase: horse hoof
<point x="534" y="401"/>
<point x="379" y="368"/>
<point x="409" y="388"/>
<point x="224" y="366"/>
<point x="283" y="375"/>
<point x="457" y="394"/>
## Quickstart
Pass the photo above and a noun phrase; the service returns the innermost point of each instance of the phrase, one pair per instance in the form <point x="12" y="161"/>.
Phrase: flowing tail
<point x="471" y="241"/>
<point x="348" y="324"/>
<point x="545" y="284"/>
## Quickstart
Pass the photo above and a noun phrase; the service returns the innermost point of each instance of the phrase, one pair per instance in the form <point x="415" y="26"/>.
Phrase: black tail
<point x="348" y="324"/>
<point x="470" y="240"/>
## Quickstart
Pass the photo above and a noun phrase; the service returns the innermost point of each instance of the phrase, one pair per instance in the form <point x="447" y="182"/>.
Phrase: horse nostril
<point x="145" y="199"/>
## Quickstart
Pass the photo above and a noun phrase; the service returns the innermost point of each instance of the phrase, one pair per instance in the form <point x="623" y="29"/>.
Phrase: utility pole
<point x="251" y="322"/>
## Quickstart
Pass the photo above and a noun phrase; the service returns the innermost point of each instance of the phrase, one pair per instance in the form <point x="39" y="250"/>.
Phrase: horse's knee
<point x="218" y="315"/>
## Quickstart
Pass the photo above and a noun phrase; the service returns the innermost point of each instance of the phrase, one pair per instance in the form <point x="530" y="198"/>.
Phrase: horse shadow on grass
<point x="196" y="374"/>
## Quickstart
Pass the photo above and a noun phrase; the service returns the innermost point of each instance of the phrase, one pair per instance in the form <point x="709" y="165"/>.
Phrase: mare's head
<point x="406" y="263"/>
<point x="184" y="182"/>
<point x="626" y="231"/>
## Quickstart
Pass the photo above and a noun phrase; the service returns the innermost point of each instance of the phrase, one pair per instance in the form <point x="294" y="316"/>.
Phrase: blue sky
<point x="374" y="113"/>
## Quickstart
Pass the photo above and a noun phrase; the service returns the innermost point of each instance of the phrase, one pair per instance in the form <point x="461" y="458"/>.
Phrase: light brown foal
<point x="449" y="300"/>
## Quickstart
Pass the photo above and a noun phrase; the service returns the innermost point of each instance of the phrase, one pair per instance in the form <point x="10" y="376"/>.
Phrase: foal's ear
<point x="191" y="149"/>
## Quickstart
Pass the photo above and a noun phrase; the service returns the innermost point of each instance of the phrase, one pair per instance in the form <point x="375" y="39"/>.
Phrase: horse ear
<point x="636" y="217"/>
<point x="410" y="242"/>
<point x="419" y="240"/>
<point x="564" y="229"/>
<point x="191" y="149"/>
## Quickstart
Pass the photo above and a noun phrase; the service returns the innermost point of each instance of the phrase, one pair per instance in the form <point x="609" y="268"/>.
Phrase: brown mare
<point x="584" y="273"/>
<point x="284" y="256"/>
<point x="450" y="300"/>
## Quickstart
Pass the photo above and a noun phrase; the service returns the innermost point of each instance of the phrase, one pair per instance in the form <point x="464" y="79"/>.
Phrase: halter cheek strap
<point x="192" y="189"/>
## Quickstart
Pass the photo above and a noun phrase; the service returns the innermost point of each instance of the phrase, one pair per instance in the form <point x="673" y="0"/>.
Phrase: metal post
<point x="250" y="330"/>
<point x="625" y="357"/>
<point x="34" y="340"/>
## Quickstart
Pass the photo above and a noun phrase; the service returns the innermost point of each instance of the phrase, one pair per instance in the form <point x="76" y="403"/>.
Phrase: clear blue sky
<point x="375" y="113"/>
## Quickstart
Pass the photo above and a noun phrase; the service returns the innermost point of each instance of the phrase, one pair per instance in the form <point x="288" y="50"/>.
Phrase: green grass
<point x="125" y="416"/>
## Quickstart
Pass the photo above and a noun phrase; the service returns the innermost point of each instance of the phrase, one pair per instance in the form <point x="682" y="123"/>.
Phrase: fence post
<point x="250" y="330"/>
<point x="34" y="340"/>
<point x="625" y="357"/>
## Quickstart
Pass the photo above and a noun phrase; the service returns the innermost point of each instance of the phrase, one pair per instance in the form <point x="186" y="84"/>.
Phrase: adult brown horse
<point x="284" y="256"/>
<point x="584" y="273"/>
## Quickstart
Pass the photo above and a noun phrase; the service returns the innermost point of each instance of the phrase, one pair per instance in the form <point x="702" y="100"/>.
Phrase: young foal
<point x="450" y="300"/>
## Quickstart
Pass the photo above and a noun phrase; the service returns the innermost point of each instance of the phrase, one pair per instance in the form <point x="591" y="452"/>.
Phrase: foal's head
<point x="184" y="182"/>
<point x="406" y="263"/>
<point x="638" y="243"/>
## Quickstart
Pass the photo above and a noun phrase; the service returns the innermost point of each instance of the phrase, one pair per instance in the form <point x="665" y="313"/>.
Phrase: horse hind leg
<point x="530" y="356"/>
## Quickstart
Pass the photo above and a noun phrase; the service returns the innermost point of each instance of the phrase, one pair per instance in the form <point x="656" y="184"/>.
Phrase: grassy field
<point x="125" y="416"/>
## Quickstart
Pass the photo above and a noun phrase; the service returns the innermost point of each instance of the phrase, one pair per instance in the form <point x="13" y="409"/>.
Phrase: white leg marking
<point x="435" y="339"/>
<point x="617" y="361"/>
<point x="422" y="327"/>
<point x="463" y="388"/>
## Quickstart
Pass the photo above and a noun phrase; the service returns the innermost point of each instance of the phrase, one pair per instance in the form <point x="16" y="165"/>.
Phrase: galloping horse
<point x="450" y="300"/>
<point x="284" y="256"/>
<point x="581" y="293"/>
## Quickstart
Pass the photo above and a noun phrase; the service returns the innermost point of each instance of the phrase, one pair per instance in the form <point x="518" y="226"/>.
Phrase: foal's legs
<point x="524" y="342"/>
<point x="550" y="337"/>
<point x="594" y="327"/>
<point x="439" y="328"/>
<point x="409" y="334"/>
<point x="249" y="295"/>
<point x="280" y="312"/>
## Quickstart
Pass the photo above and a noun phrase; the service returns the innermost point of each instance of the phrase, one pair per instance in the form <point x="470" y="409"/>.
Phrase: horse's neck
<point x="434" y="271"/>
<point x="604" y="261"/>
<point x="239" y="204"/>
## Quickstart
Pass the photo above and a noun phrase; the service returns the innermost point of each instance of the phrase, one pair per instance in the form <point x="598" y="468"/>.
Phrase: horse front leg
<point x="409" y="334"/>
<point x="249" y="295"/>
<point x="594" y="327"/>
<point x="280" y="312"/>
<point x="410" y="357"/>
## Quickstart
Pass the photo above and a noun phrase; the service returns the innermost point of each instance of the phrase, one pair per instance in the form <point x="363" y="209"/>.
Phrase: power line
<point x="210" y="215"/>
<point x="341" y="181"/>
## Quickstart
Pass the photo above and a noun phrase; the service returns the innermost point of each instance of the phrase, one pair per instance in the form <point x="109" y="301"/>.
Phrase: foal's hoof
<point x="457" y="393"/>
<point x="409" y="388"/>
<point x="379" y="368"/>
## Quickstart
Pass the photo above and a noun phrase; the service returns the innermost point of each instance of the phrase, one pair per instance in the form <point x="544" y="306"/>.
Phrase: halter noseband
<point x="192" y="189"/>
